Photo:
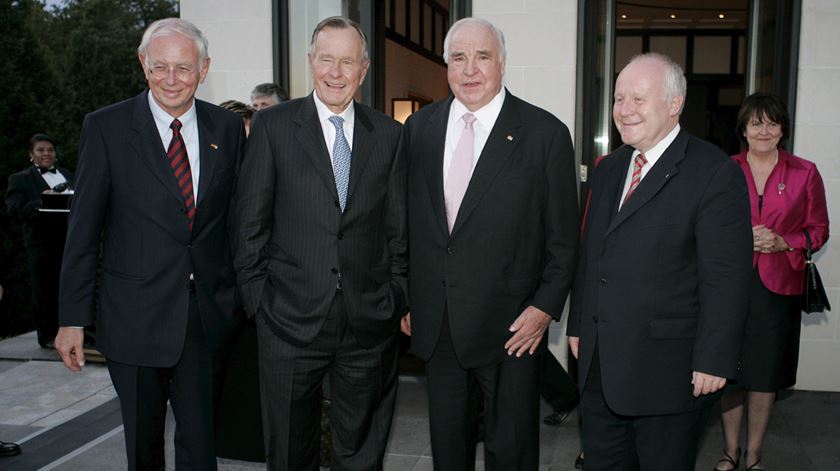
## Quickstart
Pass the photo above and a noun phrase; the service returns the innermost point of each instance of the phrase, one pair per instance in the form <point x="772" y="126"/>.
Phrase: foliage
<point x="61" y="62"/>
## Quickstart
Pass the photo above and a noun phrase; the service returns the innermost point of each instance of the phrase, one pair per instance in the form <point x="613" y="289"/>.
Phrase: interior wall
<point x="817" y="131"/>
<point x="240" y="46"/>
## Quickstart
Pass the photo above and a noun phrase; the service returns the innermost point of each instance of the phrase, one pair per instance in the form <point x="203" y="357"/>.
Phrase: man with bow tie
<point x="43" y="234"/>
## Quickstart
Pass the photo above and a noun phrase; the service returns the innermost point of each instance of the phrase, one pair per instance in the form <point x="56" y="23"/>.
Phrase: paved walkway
<point x="68" y="421"/>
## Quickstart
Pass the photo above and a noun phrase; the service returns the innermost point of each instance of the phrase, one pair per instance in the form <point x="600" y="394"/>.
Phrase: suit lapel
<point x="146" y="141"/>
<point x="38" y="181"/>
<point x="664" y="169"/>
<point x="433" y="141"/>
<point x="362" y="140"/>
<point x="311" y="138"/>
<point x="503" y="139"/>
<point x="207" y="152"/>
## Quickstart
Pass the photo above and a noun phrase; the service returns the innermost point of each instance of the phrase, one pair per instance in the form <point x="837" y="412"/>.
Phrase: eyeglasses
<point x="182" y="72"/>
<point x="767" y="126"/>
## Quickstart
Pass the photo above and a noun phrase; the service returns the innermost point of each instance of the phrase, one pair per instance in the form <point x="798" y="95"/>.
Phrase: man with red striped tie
<point x="148" y="228"/>
<point x="659" y="297"/>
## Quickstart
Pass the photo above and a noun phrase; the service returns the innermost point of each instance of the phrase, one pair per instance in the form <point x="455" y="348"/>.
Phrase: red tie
<point x="177" y="154"/>
<point x="638" y="163"/>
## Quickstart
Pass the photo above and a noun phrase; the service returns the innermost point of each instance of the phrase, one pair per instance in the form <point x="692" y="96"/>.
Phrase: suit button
<point x="595" y="319"/>
<point x="189" y="246"/>
<point x="337" y="204"/>
<point x="334" y="271"/>
<point x="183" y="210"/>
<point x="340" y="235"/>
<point x="603" y="281"/>
<point x="450" y="250"/>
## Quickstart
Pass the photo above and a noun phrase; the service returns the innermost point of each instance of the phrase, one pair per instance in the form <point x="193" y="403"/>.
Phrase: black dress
<point x="770" y="350"/>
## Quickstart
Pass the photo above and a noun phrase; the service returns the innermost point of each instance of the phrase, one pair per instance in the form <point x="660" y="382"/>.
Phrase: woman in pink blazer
<point x="786" y="198"/>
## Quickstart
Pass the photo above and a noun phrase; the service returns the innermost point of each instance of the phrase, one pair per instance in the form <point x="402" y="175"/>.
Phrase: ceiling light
<point x="721" y="16"/>
<point x="673" y="16"/>
<point x="623" y="17"/>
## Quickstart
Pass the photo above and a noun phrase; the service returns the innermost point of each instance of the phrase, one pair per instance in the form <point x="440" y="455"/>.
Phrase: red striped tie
<point x="177" y="154"/>
<point x="638" y="163"/>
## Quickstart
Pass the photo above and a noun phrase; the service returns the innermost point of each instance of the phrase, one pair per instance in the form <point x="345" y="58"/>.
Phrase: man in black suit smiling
<point x="660" y="295"/>
<point x="493" y="234"/>
<point x="319" y="233"/>
<point x="153" y="186"/>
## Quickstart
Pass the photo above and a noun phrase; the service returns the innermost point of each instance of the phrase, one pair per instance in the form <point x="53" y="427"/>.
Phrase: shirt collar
<point x="163" y="119"/>
<point x="656" y="151"/>
<point x="324" y="113"/>
<point x="486" y="115"/>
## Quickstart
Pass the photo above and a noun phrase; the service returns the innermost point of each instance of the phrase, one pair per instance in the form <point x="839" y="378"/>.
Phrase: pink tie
<point x="460" y="170"/>
<point x="638" y="163"/>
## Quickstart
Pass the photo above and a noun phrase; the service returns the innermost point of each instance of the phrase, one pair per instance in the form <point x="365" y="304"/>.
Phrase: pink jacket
<point x="794" y="200"/>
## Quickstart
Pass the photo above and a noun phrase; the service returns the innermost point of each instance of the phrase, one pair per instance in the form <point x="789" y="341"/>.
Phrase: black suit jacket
<point x="662" y="284"/>
<point x="23" y="199"/>
<point x="514" y="242"/>
<point x="292" y="244"/>
<point x="128" y="208"/>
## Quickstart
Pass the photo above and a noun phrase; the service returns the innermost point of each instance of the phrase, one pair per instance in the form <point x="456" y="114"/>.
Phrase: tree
<point x="59" y="64"/>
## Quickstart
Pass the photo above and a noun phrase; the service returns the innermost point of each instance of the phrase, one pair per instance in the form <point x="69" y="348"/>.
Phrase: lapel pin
<point x="781" y="188"/>
<point x="214" y="146"/>
<point x="510" y="138"/>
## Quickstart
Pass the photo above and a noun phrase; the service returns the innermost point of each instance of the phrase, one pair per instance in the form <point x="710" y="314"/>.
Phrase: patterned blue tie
<point x="341" y="160"/>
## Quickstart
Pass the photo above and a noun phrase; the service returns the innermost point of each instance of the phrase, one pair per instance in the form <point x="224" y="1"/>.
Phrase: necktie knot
<point x="640" y="160"/>
<point x="337" y="121"/>
<point x="175" y="126"/>
<point x="469" y="119"/>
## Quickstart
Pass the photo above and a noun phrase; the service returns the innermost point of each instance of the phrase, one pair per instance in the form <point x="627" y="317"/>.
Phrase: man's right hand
<point x="68" y="343"/>
<point x="405" y="324"/>
<point x="574" y="345"/>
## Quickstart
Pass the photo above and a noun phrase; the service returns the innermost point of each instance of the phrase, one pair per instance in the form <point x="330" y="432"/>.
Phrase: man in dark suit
<point x="660" y="293"/>
<point x="43" y="233"/>
<point x="493" y="234"/>
<point x="155" y="178"/>
<point x="319" y="233"/>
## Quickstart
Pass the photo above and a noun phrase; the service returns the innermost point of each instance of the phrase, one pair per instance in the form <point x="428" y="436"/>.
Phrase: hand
<point x="574" y="345"/>
<point x="763" y="238"/>
<point x="68" y="343"/>
<point x="528" y="330"/>
<point x="706" y="384"/>
<point x="405" y="324"/>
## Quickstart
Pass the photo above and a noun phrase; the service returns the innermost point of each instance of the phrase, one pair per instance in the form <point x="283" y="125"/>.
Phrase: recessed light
<point x="673" y="16"/>
<point x="721" y="16"/>
<point x="623" y="17"/>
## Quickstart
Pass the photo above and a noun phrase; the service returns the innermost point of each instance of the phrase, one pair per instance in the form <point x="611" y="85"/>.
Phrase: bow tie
<point x="45" y="170"/>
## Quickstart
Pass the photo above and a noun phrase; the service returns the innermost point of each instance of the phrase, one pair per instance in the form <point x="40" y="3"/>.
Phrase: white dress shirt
<point x="189" y="131"/>
<point x="485" y="118"/>
<point x="652" y="156"/>
<point x="52" y="179"/>
<point x="324" y="115"/>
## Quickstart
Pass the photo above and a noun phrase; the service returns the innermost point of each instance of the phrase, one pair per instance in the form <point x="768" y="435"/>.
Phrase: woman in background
<point x="787" y="199"/>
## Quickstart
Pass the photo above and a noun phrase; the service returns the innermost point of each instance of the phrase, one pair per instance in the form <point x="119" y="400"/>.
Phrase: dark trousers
<point x="511" y="410"/>
<point x="44" y="272"/>
<point x="613" y="442"/>
<point x="363" y="384"/>
<point x="556" y="386"/>
<point x="188" y="386"/>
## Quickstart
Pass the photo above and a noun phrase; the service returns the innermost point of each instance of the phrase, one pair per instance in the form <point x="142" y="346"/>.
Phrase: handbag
<point x="813" y="298"/>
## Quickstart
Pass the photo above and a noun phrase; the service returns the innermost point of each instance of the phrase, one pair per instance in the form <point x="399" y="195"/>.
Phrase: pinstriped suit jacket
<point x="292" y="244"/>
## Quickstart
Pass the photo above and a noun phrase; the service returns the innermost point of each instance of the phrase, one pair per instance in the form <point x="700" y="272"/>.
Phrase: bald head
<point x="649" y="96"/>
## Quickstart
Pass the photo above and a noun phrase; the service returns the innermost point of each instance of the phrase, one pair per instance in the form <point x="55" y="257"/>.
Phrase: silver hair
<point x="338" y="22"/>
<point x="500" y="37"/>
<point x="169" y="26"/>
<point x="675" y="84"/>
